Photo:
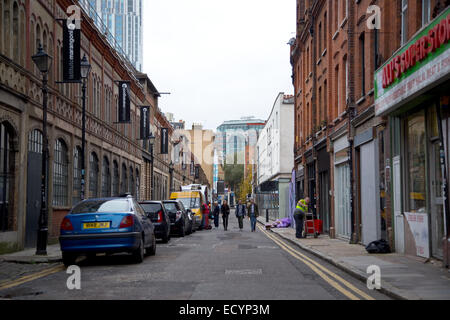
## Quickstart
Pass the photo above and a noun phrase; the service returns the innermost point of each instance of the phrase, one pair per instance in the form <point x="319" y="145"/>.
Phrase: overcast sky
<point x="221" y="60"/>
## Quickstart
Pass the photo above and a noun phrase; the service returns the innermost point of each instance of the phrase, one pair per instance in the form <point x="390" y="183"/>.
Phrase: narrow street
<point x="208" y="265"/>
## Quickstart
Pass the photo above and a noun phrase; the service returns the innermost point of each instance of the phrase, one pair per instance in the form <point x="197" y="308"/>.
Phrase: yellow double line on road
<point x="31" y="277"/>
<point x="337" y="282"/>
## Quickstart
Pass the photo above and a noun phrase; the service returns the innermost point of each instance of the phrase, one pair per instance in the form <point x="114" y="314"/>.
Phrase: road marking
<point x="31" y="277"/>
<point x="315" y="266"/>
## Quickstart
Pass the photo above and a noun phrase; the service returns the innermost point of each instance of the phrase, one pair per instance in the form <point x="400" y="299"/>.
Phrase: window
<point x="7" y="28"/>
<point x="116" y="179"/>
<point x="404" y="31"/>
<point x="362" y="64"/>
<point x="15" y="33"/>
<point x="416" y="164"/>
<point x="106" y="178"/>
<point x="426" y="12"/>
<point x="76" y="195"/>
<point x="123" y="185"/>
<point x="93" y="175"/>
<point x="6" y="178"/>
<point x="131" y="182"/>
<point x="60" y="174"/>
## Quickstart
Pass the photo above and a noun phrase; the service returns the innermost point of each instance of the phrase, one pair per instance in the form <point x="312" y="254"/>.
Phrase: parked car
<point x="160" y="218"/>
<point x="109" y="225"/>
<point x="179" y="220"/>
<point x="192" y="200"/>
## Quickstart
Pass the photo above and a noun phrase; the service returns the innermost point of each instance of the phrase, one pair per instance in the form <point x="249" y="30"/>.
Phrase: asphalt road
<point x="208" y="265"/>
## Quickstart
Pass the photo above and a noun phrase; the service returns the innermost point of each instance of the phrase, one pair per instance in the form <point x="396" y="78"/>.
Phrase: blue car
<point x="109" y="226"/>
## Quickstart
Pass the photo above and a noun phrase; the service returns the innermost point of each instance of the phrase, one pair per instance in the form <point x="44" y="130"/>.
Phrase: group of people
<point x="250" y="210"/>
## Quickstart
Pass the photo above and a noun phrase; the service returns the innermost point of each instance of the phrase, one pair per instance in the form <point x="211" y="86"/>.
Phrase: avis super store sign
<point x="420" y="63"/>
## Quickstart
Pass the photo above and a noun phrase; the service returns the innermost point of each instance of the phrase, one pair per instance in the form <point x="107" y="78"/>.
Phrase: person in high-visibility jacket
<point x="299" y="216"/>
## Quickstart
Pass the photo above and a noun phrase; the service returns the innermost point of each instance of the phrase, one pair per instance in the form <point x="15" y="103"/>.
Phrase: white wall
<point x="275" y="146"/>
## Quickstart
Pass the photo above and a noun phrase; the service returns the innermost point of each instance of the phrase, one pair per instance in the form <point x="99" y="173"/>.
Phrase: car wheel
<point x="138" y="254"/>
<point x="69" y="259"/>
<point x="165" y="238"/>
<point x="183" y="231"/>
<point x="152" y="250"/>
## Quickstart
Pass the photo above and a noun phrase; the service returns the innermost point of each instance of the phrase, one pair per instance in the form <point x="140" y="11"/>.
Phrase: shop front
<point x="412" y="91"/>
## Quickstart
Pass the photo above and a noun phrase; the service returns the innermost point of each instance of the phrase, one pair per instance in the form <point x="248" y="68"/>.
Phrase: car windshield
<point x="190" y="203"/>
<point x="170" y="206"/>
<point x="151" y="207"/>
<point x="102" y="206"/>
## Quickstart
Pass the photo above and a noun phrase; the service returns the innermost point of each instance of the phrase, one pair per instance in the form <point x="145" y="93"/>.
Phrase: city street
<point x="208" y="265"/>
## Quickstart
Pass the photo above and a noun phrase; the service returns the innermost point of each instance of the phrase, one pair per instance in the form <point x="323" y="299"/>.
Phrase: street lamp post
<point x="171" y="169"/>
<point x="43" y="62"/>
<point x="85" y="70"/>
<point x="152" y="140"/>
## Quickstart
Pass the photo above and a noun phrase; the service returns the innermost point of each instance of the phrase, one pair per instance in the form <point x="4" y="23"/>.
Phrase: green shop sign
<point x="422" y="62"/>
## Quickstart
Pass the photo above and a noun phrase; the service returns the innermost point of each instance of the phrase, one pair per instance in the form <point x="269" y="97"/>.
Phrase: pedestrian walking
<point x="240" y="214"/>
<point x="299" y="216"/>
<point x="253" y="214"/>
<point x="225" y="214"/>
<point x="216" y="214"/>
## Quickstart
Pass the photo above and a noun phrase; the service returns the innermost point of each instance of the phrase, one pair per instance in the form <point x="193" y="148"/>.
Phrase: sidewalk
<point x="29" y="256"/>
<point x="402" y="277"/>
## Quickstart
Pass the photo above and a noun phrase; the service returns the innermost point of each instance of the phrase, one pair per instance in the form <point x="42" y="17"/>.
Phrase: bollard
<point x="267" y="215"/>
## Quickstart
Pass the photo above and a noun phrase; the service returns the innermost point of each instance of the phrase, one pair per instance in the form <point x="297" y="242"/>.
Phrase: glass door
<point x="437" y="201"/>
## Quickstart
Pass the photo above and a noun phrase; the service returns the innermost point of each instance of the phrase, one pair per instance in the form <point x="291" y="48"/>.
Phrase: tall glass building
<point x="236" y="140"/>
<point x="122" y="21"/>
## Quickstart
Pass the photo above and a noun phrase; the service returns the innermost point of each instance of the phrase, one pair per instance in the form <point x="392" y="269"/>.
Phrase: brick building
<point x="343" y="144"/>
<point x="116" y="160"/>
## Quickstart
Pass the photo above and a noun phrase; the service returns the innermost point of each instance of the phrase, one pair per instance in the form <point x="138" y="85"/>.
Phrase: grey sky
<point x="221" y="60"/>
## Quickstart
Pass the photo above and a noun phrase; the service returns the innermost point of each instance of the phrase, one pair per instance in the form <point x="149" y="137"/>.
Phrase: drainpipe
<point x="351" y="114"/>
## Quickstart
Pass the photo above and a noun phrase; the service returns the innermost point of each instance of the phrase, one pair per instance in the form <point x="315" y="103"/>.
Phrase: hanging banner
<point x="164" y="141"/>
<point x="71" y="51"/>
<point x="145" y="122"/>
<point x="124" y="102"/>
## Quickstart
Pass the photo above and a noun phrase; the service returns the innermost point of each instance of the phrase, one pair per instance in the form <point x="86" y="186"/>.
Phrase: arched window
<point x="7" y="28"/>
<point x="76" y="195"/>
<point x="7" y="163"/>
<point x="106" y="178"/>
<point x="131" y="183"/>
<point x="138" y="186"/>
<point x="35" y="141"/>
<point x="123" y="185"/>
<point x="15" y="33"/>
<point x="60" y="174"/>
<point x="116" y="179"/>
<point x="1" y="24"/>
<point x="93" y="176"/>
<point x="24" y="39"/>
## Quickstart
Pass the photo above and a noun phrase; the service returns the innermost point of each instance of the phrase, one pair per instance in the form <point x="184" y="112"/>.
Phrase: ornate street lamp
<point x="43" y="62"/>
<point x="85" y="69"/>
<point x="171" y="169"/>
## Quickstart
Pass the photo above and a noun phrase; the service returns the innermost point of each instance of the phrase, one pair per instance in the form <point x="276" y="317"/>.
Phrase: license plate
<point x="97" y="225"/>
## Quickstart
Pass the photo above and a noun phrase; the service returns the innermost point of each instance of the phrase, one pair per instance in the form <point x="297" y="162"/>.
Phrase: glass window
<point x="93" y="176"/>
<point x="415" y="163"/>
<point x="76" y="194"/>
<point x="151" y="207"/>
<point x="106" y="178"/>
<point x="60" y="174"/>
<point x="102" y="206"/>
<point x="116" y="181"/>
